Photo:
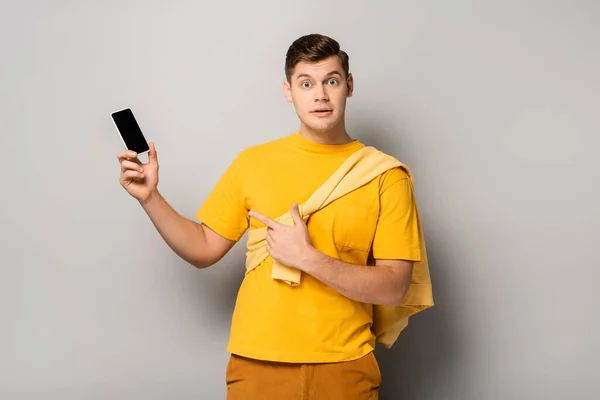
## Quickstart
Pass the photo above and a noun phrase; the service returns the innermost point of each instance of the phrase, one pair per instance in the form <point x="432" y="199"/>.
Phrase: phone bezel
<point x="119" y="131"/>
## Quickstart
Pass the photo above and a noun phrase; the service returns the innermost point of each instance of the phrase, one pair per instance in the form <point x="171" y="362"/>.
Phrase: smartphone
<point x="130" y="131"/>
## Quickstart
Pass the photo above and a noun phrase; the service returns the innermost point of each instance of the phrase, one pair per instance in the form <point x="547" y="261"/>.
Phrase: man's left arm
<point x="386" y="283"/>
<point x="395" y="248"/>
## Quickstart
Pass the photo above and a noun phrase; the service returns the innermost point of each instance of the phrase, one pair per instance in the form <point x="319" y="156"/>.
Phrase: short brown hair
<point x="313" y="48"/>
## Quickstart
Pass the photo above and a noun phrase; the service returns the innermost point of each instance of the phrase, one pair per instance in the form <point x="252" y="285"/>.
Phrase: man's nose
<point x="321" y="93"/>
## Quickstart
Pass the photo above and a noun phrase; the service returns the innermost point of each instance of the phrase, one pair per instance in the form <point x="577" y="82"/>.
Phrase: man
<point x="312" y="340"/>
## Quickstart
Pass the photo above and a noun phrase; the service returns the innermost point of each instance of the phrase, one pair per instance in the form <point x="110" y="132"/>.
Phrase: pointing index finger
<point x="263" y="218"/>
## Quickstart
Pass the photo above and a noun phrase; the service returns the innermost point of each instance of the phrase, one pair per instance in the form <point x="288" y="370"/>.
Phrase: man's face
<point x="319" y="92"/>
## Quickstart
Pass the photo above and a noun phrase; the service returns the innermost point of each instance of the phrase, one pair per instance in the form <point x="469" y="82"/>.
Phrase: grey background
<point x="494" y="105"/>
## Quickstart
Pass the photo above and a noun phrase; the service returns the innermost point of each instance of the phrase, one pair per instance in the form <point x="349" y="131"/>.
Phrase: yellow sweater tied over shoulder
<point x="361" y="167"/>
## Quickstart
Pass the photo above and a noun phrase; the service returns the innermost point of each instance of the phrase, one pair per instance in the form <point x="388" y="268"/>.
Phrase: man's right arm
<point x="195" y="242"/>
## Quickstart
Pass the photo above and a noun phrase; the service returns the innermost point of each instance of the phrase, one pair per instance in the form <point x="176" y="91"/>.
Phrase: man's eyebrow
<point x="334" y="72"/>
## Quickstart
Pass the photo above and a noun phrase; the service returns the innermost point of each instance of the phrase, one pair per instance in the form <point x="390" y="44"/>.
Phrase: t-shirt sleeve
<point x="397" y="233"/>
<point x="224" y="210"/>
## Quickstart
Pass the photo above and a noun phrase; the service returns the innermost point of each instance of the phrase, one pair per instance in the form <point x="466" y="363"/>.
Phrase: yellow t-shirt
<point x="310" y="322"/>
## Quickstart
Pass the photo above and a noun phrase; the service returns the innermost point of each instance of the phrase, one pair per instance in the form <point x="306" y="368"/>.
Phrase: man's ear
<point x="350" y="85"/>
<point x="287" y="90"/>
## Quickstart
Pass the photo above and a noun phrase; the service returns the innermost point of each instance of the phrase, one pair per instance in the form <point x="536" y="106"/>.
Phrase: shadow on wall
<point x="230" y="278"/>
<point x="215" y="289"/>
<point x="429" y="349"/>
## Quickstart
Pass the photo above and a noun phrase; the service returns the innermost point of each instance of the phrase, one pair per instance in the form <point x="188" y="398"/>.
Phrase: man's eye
<point x="332" y="81"/>
<point x="306" y="84"/>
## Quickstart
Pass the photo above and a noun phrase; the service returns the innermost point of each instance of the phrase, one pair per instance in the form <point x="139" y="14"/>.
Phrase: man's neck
<point x="338" y="135"/>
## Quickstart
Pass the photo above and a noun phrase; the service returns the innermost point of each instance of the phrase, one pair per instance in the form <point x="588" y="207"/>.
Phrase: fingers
<point x="132" y="174"/>
<point x="127" y="155"/>
<point x="264" y="219"/>
<point x="130" y="165"/>
<point x="152" y="156"/>
<point x="295" y="212"/>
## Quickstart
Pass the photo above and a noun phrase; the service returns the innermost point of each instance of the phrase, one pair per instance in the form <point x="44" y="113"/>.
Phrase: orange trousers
<point x="249" y="379"/>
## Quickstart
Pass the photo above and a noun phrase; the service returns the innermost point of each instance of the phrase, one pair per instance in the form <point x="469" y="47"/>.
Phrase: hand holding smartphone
<point x="139" y="180"/>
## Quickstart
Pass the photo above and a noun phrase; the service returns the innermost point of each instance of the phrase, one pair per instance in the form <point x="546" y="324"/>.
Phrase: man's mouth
<point x="321" y="111"/>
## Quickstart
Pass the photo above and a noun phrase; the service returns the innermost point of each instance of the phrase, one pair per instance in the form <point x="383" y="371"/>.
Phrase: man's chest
<point x="348" y="223"/>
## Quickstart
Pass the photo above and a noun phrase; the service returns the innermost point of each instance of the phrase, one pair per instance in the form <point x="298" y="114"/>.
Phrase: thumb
<point x="296" y="214"/>
<point x="152" y="157"/>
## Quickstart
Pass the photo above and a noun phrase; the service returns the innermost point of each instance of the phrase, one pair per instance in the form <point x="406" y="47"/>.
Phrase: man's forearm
<point x="381" y="284"/>
<point x="185" y="237"/>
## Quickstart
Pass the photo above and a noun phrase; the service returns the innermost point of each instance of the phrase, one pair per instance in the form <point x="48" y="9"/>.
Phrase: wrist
<point x="309" y="259"/>
<point x="150" y="198"/>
